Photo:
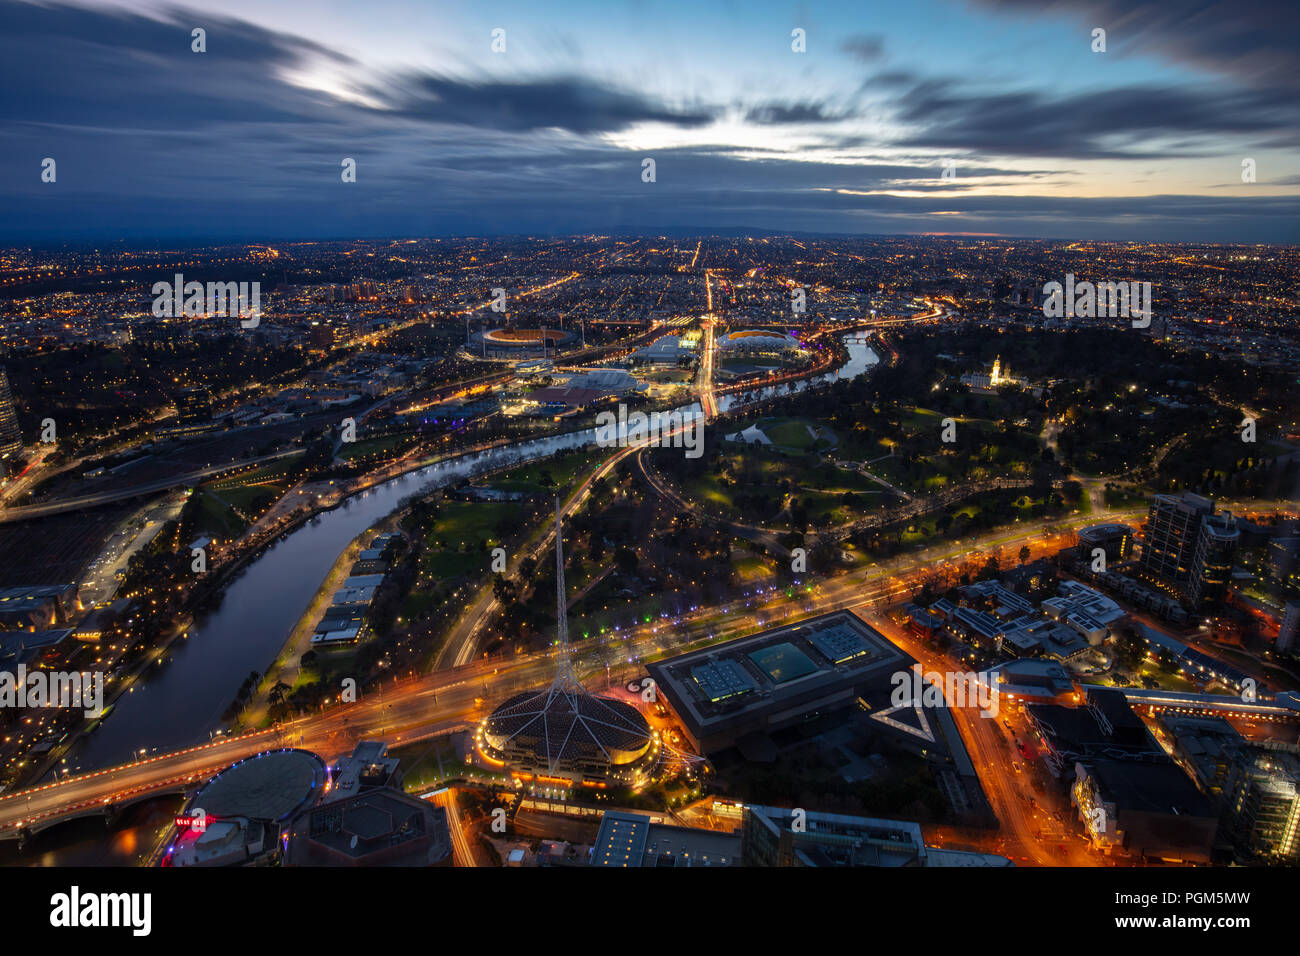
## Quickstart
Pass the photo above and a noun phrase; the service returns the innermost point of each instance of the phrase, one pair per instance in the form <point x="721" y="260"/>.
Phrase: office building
<point x="1216" y="546"/>
<point x="1115" y="541"/>
<point x="776" y="836"/>
<point x="1146" y="810"/>
<point x="1254" y="787"/>
<point x="1188" y="549"/>
<point x="194" y="406"/>
<point x="11" y="436"/>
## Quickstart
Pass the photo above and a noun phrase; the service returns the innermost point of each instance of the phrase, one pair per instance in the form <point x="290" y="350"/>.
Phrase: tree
<point x="1024" y="553"/>
<point x="276" y="696"/>
<point x="626" y="560"/>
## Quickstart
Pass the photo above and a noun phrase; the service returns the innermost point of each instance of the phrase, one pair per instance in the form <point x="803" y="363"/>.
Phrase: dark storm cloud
<point x="1253" y="41"/>
<point x="891" y="78"/>
<point x="154" y="141"/>
<point x="113" y="69"/>
<point x="82" y="67"/>
<point x="775" y="114"/>
<point x="600" y="190"/>
<point x="1128" y="122"/>
<point x="577" y="104"/>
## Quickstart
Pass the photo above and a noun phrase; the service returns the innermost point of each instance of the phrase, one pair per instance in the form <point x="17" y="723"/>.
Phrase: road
<point x="461" y="851"/>
<point x="27" y="512"/>
<point x="708" y="398"/>
<point x="445" y="700"/>
<point x="461" y="643"/>
<point x="994" y="758"/>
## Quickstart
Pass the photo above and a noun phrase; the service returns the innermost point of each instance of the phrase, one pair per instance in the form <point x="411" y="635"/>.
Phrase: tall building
<point x="1269" y="811"/>
<point x="1254" y="787"/>
<point x="1171" y="529"/>
<point x="1188" y="548"/>
<point x="11" y="436"/>
<point x="194" y="406"/>
<point x="1216" y="545"/>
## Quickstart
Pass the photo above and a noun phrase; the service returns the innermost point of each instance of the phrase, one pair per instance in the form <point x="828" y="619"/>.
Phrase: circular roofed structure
<point x="270" y="786"/>
<point x="520" y="343"/>
<point x="758" y="340"/>
<point x="524" y="337"/>
<point x="570" y="734"/>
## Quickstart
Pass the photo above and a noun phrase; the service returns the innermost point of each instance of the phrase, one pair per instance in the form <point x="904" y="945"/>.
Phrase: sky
<point x="1041" y="135"/>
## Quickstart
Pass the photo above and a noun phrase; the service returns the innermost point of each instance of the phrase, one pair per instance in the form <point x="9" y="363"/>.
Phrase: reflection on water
<point x="87" y="843"/>
<point x="182" y="702"/>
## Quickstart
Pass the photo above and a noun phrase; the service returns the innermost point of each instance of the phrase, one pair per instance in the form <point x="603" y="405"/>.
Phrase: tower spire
<point x="566" y="681"/>
<point x="561" y="610"/>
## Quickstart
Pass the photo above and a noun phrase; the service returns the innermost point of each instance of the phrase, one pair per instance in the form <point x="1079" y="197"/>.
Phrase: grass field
<point x="820" y="486"/>
<point x="274" y="471"/>
<point x="375" y="448"/>
<point x="561" y="471"/>
<point x="467" y="523"/>
<point x="216" y="519"/>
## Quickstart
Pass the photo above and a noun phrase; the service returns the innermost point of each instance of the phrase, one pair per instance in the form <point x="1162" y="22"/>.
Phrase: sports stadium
<point x="519" y="344"/>
<point x="760" y="341"/>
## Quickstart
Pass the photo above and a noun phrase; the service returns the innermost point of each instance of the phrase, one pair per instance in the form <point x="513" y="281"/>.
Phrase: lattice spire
<point x="566" y="681"/>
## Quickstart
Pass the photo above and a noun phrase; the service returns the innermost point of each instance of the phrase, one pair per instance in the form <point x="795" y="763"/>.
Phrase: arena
<point x="520" y="344"/>
<point x="760" y="341"/>
<point x="240" y="814"/>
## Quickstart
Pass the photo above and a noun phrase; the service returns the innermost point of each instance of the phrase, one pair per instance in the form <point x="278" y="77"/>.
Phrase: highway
<point x="708" y="398"/>
<point x="27" y="512"/>
<point x="445" y="700"/>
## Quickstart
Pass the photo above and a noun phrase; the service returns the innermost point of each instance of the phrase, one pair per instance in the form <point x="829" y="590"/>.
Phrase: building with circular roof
<point x="274" y="786"/>
<point x="757" y="340"/>
<point x="520" y="343"/>
<point x="568" y="736"/>
<point x="240" y="813"/>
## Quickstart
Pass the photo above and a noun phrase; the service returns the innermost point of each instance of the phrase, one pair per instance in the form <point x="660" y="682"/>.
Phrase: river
<point x="181" y="703"/>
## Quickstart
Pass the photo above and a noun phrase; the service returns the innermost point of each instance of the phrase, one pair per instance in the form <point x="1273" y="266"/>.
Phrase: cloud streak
<point x="152" y="140"/>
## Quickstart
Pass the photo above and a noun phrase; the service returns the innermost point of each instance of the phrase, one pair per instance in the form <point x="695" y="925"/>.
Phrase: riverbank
<point x="257" y="626"/>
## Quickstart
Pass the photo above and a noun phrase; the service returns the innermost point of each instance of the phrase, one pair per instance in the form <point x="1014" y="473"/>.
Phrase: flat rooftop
<point x="631" y="839"/>
<point x="817" y="661"/>
<point x="783" y="662"/>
